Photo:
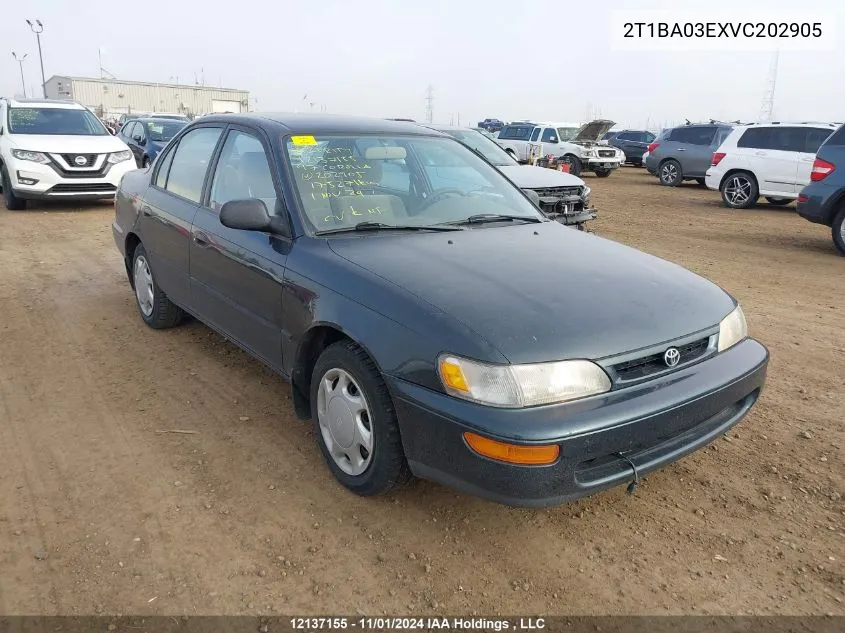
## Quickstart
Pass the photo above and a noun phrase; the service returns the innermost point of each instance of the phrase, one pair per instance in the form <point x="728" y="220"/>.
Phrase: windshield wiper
<point x="380" y="226"/>
<point x="481" y="218"/>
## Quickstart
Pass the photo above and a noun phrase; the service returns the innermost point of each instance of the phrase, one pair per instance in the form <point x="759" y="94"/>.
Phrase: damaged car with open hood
<point x="580" y="147"/>
<point x="432" y="329"/>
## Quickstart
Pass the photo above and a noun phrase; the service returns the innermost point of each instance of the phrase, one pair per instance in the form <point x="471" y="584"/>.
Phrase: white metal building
<point x="113" y="97"/>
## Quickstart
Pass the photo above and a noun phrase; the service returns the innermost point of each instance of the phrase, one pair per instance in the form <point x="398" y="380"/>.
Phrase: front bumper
<point x="601" y="162"/>
<point x="652" y="424"/>
<point x="35" y="181"/>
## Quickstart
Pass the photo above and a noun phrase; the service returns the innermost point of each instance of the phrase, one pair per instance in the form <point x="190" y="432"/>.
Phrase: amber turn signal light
<point x="512" y="453"/>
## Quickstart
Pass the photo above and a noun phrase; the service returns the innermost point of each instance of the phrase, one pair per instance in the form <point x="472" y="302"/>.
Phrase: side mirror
<point x="249" y="215"/>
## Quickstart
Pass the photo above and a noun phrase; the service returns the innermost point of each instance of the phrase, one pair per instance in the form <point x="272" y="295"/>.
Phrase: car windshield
<point x="567" y="133"/>
<point x="484" y="145"/>
<point x="163" y="131"/>
<point x="398" y="181"/>
<point x="66" y="121"/>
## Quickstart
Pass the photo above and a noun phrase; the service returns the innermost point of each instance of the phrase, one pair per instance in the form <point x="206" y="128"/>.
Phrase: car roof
<point x="745" y="126"/>
<point x="52" y="103"/>
<point x="319" y="124"/>
<point x="162" y="119"/>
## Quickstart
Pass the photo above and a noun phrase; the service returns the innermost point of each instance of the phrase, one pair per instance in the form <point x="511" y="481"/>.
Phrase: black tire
<point x="778" y="202"/>
<point x="603" y="173"/>
<point x="670" y="173"/>
<point x="575" y="166"/>
<point x="739" y="190"/>
<point x="162" y="312"/>
<point x="12" y="202"/>
<point x="387" y="468"/>
<point x="701" y="181"/>
<point x="838" y="231"/>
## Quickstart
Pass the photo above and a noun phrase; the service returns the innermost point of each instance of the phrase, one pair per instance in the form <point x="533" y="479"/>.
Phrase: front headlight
<point x="589" y="153"/>
<point x="585" y="193"/>
<point x="35" y="157"/>
<point x="515" y="386"/>
<point x="119" y="157"/>
<point x="732" y="329"/>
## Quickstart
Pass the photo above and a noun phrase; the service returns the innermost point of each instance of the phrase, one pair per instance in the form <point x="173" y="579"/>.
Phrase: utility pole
<point x="38" y="28"/>
<point x="20" y="63"/>
<point x="429" y="104"/>
<point x="767" y="107"/>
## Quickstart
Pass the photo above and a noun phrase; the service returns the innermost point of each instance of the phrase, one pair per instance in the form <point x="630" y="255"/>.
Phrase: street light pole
<point x="37" y="28"/>
<point x="20" y="63"/>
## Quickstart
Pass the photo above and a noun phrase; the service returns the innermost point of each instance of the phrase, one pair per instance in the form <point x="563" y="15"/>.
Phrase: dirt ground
<point x="101" y="511"/>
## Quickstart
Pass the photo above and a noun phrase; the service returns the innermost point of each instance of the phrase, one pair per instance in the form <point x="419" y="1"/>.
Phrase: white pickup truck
<point x="577" y="145"/>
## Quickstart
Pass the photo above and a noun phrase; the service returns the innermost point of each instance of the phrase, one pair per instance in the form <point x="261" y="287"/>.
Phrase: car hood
<point x="71" y="144"/>
<point x="542" y="292"/>
<point x="532" y="177"/>
<point x="591" y="132"/>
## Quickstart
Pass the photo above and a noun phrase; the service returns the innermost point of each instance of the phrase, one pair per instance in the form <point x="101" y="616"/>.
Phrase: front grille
<point x="75" y="187"/>
<point x="607" y="153"/>
<point x="654" y="364"/>
<point x="70" y="159"/>
<point x="561" y="192"/>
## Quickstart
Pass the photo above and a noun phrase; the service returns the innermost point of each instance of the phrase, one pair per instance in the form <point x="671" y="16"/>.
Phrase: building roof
<point x="145" y="83"/>
<point x="309" y="123"/>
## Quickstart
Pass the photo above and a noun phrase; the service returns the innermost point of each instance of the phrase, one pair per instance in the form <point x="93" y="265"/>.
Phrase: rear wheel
<point x="838" y="230"/>
<point x="573" y="162"/>
<point x="355" y="421"/>
<point x="12" y="202"/>
<point x="603" y="173"/>
<point x="739" y="190"/>
<point x="156" y="309"/>
<point x="670" y="173"/>
<point x="778" y="202"/>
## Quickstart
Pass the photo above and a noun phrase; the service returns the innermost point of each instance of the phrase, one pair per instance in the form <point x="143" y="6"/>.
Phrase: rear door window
<point x="814" y="139"/>
<point x="535" y="134"/>
<point x="693" y="135"/>
<point x="756" y="138"/>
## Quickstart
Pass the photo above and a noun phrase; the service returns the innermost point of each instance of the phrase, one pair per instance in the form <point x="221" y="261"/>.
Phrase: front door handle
<point x="146" y="212"/>
<point x="201" y="239"/>
<point x="681" y="149"/>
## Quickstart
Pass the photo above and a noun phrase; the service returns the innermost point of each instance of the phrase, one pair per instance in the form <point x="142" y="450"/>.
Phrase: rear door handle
<point x="759" y="153"/>
<point x="201" y="239"/>
<point x="681" y="149"/>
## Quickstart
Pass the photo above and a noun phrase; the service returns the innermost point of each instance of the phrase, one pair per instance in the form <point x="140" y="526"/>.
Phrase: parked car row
<point x="780" y="162"/>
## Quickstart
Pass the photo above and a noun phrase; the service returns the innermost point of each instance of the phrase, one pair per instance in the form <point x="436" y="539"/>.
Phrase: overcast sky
<point x="547" y="60"/>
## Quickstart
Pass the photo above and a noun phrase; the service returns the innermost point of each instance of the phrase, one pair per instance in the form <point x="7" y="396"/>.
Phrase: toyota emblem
<point x="671" y="357"/>
<point x="80" y="160"/>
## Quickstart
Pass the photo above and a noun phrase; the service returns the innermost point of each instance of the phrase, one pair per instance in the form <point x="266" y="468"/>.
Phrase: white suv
<point x="57" y="150"/>
<point x="773" y="160"/>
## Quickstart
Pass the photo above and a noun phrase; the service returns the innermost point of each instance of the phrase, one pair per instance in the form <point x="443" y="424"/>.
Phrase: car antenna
<point x="636" y="482"/>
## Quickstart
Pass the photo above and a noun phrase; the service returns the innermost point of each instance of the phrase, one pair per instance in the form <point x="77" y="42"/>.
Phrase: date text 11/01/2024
<point x="416" y="624"/>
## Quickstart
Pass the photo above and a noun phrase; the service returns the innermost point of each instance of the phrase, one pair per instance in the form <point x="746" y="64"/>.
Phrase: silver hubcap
<point x="738" y="190"/>
<point x="345" y="421"/>
<point x="144" y="286"/>
<point x="842" y="232"/>
<point x="670" y="172"/>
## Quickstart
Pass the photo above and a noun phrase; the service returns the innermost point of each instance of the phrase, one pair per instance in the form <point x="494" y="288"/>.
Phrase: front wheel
<point x="778" y="202"/>
<point x="574" y="163"/>
<point x="12" y="202"/>
<point x="355" y="421"/>
<point x="603" y="173"/>
<point x="838" y="229"/>
<point x="739" y="190"/>
<point x="670" y="173"/>
<point x="156" y="309"/>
